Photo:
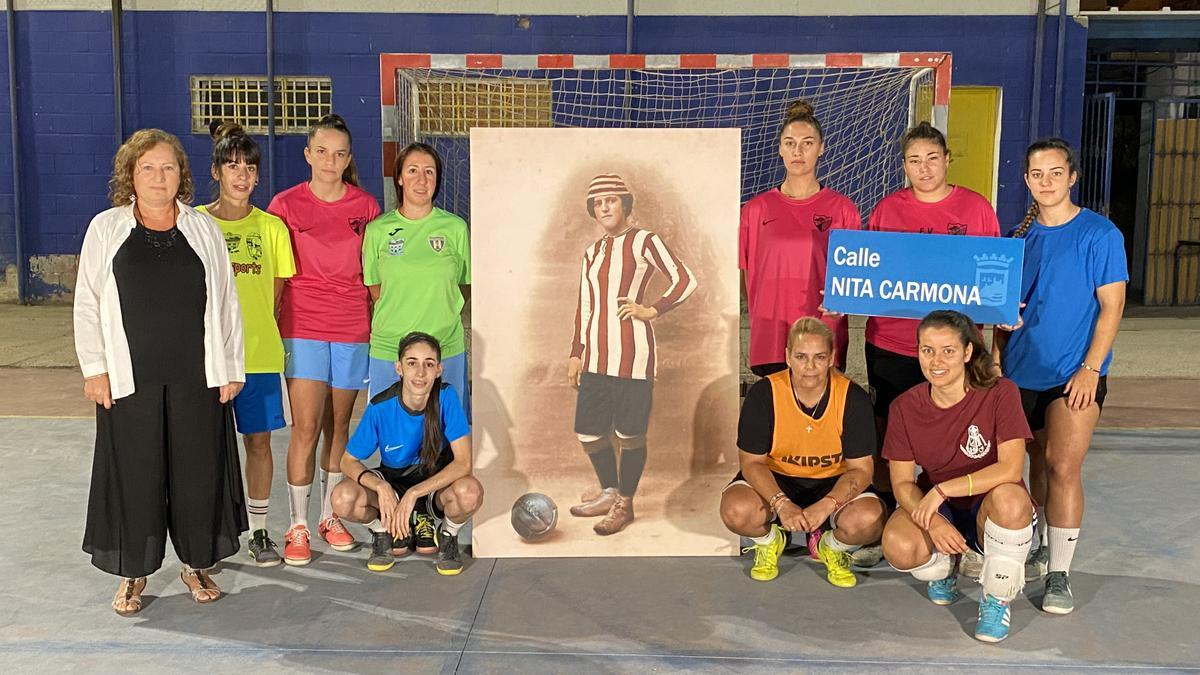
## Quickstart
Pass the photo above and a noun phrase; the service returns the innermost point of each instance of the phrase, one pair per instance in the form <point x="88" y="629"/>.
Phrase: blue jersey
<point x="397" y="433"/>
<point x="1064" y="266"/>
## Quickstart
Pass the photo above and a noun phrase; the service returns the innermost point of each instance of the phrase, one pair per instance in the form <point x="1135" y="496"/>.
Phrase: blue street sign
<point x="909" y="275"/>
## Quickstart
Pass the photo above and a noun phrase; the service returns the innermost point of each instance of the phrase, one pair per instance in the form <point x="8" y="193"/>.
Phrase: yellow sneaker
<point x="766" y="556"/>
<point x="837" y="564"/>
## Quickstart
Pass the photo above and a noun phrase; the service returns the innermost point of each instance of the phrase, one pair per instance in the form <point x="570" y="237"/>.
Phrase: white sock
<point x="1062" y="548"/>
<point x="1041" y="525"/>
<point x="376" y="526"/>
<point x="766" y="538"/>
<point x="298" y="503"/>
<point x="836" y="544"/>
<point x="450" y="527"/>
<point x="256" y="513"/>
<point x="938" y="567"/>
<point x="329" y="480"/>
<point x="1004" y="553"/>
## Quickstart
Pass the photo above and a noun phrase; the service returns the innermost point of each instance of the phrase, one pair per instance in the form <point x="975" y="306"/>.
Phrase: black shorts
<point x="606" y="404"/>
<point x="1035" y="402"/>
<point x="890" y="374"/>
<point x="965" y="520"/>
<point x="765" y="369"/>
<point x="403" y="480"/>
<point x="803" y="492"/>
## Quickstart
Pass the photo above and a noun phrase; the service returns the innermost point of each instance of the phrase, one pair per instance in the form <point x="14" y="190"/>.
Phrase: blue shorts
<point x="454" y="373"/>
<point x="258" y="407"/>
<point x="341" y="365"/>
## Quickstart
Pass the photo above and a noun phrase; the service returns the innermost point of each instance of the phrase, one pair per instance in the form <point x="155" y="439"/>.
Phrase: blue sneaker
<point x="994" y="616"/>
<point x="943" y="591"/>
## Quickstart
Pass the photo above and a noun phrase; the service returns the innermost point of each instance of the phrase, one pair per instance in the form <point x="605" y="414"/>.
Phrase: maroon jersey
<point x="952" y="442"/>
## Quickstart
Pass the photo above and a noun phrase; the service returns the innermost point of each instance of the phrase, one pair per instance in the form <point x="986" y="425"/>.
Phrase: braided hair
<point x="1041" y="146"/>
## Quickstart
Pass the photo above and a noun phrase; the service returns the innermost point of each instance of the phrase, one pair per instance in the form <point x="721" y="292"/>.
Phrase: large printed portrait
<point x="604" y="339"/>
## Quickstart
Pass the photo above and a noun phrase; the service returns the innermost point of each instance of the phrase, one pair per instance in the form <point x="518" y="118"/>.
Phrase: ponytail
<point x="981" y="373"/>
<point x="337" y="123"/>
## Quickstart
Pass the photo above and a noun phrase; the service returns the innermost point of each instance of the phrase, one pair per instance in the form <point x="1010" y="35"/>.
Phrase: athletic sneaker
<point x="424" y="538"/>
<point x="943" y="591"/>
<point x="994" y="616"/>
<point x="449" y="560"/>
<point x="336" y="535"/>
<point x="766" y="556"/>
<point x="401" y="547"/>
<point x="866" y="557"/>
<point x="262" y="550"/>
<point x="296" y="549"/>
<point x="381" y="558"/>
<point x="1037" y="562"/>
<point x="837" y="564"/>
<point x="1058" y="598"/>
<point x="971" y="565"/>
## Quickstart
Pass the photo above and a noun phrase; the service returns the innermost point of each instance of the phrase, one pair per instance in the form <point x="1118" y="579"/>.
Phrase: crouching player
<point x="806" y="442"/>
<point x="419" y="428"/>
<point x="966" y="429"/>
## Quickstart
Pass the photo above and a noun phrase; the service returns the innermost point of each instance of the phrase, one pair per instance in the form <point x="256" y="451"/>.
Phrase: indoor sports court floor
<point x="1136" y="574"/>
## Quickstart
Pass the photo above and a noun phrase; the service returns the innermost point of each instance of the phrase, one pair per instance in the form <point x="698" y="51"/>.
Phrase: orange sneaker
<point x="296" y="550"/>
<point x="336" y="535"/>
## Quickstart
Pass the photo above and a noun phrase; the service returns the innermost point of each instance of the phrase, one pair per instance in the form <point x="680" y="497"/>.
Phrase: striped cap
<point x="606" y="184"/>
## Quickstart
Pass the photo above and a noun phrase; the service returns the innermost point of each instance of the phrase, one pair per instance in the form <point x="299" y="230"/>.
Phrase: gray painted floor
<point x="1135" y="581"/>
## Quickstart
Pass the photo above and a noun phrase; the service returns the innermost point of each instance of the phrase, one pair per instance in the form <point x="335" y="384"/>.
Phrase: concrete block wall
<point x="65" y="93"/>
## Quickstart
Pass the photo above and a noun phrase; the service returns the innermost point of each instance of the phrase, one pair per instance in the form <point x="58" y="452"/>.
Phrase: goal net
<point x="864" y="103"/>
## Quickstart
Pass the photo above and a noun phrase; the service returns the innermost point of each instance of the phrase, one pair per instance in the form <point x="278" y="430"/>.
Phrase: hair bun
<point x="800" y="108"/>
<point x="219" y="129"/>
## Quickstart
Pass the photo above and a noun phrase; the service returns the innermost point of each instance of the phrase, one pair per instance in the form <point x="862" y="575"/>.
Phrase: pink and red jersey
<point x="621" y="267"/>
<point x="782" y="246"/>
<point x="326" y="299"/>
<point x="961" y="212"/>
<point x="951" y="442"/>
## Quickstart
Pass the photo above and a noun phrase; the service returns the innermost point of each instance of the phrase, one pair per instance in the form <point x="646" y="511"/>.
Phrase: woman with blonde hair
<point x="159" y="338"/>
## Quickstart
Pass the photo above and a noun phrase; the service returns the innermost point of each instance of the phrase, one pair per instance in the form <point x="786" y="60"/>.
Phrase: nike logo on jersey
<point x="389" y="448"/>
<point x="769" y="220"/>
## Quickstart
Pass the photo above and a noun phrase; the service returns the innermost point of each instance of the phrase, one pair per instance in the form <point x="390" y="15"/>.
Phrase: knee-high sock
<point x="1004" y="553"/>
<point x="604" y="461"/>
<point x="633" y="462"/>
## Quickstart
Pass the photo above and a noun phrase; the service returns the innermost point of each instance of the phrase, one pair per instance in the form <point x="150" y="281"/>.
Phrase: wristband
<point x="970" y="486"/>
<point x="939" y="491"/>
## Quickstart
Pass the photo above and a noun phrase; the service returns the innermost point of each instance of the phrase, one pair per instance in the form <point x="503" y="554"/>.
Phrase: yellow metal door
<point x="974" y="138"/>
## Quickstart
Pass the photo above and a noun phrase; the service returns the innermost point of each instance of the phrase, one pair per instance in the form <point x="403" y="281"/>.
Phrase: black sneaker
<point x="263" y="550"/>
<point x="381" y="558"/>
<point x="423" y="533"/>
<point x="449" y="560"/>
<point x="401" y="547"/>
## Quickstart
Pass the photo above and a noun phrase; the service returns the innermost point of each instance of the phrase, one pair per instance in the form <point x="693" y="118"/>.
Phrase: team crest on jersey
<point x="437" y="244"/>
<point x="977" y="446"/>
<point x="357" y="224"/>
<point x="233" y="242"/>
<point x="396" y="246"/>
<point x="254" y="245"/>
<point x="956" y="228"/>
<point x="822" y="223"/>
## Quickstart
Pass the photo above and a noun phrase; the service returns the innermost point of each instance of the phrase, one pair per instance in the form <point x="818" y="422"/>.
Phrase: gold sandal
<point x="128" y="600"/>
<point x="200" y="584"/>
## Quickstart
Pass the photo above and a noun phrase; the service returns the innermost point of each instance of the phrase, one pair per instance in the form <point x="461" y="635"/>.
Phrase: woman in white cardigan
<point x="159" y="339"/>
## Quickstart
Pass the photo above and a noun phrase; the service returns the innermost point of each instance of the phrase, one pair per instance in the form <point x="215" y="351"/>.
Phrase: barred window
<point x="450" y="106"/>
<point x="300" y="101"/>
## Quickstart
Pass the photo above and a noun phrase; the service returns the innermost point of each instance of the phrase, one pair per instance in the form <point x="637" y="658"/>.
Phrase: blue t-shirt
<point x="387" y="426"/>
<point x="1064" y="266"/>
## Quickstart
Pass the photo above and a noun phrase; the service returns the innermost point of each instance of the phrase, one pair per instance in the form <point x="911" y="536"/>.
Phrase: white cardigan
<point x="100" y="340"/>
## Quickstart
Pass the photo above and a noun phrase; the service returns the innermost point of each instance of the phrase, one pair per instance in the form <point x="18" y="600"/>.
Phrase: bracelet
<point x="938" y="488"/>
<point x="970" y="486"/>
<point x="1085" y="366"/>
<point x="836" y="503"/>
<point x="360" y="476"/>
<point x="777" y="501"/>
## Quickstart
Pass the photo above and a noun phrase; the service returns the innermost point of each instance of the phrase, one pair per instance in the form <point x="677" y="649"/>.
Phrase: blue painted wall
<point x="66" y="105"/>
